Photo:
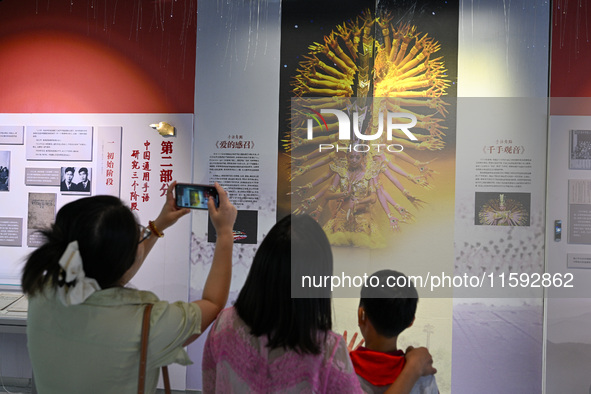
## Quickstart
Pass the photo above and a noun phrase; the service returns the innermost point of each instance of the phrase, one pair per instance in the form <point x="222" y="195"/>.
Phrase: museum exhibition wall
<point x="143" y="93"/>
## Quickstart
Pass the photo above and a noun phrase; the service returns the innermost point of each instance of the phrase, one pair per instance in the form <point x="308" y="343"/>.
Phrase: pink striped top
<point x="234" y="361"/>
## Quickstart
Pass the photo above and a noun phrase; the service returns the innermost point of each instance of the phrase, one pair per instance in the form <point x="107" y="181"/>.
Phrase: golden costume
<point x="353" y="224"/>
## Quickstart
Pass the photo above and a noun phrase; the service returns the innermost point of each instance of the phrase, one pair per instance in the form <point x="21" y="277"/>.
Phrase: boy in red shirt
<point x="386" y="308"/>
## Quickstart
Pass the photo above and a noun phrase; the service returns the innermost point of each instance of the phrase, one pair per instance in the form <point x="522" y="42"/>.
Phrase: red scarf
<point x="378" y="368"/>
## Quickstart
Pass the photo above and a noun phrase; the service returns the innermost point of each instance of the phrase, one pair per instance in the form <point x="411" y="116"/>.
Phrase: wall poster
<point x="367" y="143"/>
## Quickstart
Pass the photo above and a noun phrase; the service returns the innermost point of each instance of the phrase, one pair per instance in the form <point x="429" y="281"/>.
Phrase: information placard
<point x="12" y="135"/>
<point x="579" y="211"/>
<point x="73" y="143"/>
<point x="11" y="232"/>
<point x="42" y="176"/>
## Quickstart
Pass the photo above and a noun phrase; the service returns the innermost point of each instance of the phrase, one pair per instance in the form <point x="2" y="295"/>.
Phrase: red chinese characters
<point x="110" y="166"/>
<point x="141" y="168"/>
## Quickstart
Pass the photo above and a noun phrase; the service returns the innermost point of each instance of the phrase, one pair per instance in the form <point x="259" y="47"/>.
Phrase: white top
<point x="95" y="346"/>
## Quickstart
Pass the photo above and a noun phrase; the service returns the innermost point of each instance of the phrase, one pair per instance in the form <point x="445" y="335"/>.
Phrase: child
<point x="386" y="308"/>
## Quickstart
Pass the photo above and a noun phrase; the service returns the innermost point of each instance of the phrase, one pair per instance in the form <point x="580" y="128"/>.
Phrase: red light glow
<point x="53" y="72"/>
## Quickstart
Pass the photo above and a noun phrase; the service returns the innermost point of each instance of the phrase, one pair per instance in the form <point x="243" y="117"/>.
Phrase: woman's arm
<point x="168" y="216"/>
<point x="418" y="363"/>
<point x="217" y="284"/>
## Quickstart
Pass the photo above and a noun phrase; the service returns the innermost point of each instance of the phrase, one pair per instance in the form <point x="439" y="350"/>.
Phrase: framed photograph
<point x="4" y="171"/>
<point x="502" y="209"/>
<point x="75" y="180"/>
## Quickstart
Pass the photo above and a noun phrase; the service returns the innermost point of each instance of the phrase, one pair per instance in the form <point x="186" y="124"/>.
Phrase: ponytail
<point x="107" y="234"/>
<point x="42" y="265"/>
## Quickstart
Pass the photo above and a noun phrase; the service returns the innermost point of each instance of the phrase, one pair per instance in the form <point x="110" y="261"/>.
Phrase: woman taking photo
<point x="84" y="326"/>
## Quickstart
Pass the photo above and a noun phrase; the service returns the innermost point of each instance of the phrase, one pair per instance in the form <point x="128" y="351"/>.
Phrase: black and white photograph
<point x="4" y="171"/>
<point x="75" y="180"/>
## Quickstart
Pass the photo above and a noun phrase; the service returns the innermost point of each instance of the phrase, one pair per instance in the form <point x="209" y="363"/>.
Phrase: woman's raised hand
<point x="170" y="213"/>
<point x="223" y="216"/>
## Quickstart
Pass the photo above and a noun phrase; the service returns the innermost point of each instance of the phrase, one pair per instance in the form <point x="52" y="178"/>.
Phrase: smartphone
<point x="195" y="196"/>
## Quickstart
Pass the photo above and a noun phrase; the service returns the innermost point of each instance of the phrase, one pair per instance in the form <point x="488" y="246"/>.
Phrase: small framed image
<point x="41" y="214"/>
<point x="76" y="180"/>
<point x="579" y="212"/>
<point x="580" y="150"/>
<point x="245" y="228"/>
<point x="502" y="209"/>
<point x="4" y="170"/>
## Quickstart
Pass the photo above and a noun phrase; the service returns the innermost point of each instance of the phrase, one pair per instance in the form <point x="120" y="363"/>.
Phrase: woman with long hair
<point x="84" y="326"/>
<point x="278" y="335"/>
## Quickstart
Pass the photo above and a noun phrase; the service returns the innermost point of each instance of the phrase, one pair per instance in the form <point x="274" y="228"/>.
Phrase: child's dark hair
<point x="107" y="235"/>
<point x="390" y="302"/>
<point x="295" y="246"/>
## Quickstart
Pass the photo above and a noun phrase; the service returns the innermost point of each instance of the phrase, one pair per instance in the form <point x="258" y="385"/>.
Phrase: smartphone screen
<point x="195" y="196"/>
